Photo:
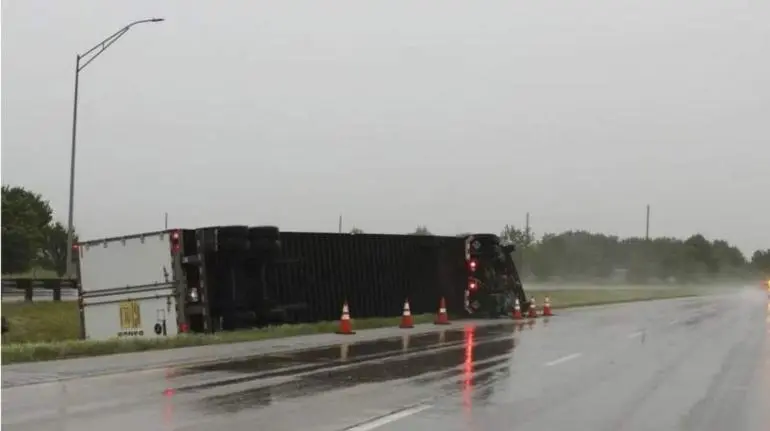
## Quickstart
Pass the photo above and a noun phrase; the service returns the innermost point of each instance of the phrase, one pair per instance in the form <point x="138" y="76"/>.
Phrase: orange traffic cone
<point x="406" y="318"/>
<point x="532" y="308"/>
<point x="517" y="310"/>
<point x="547" y="307"/>
<point x="346" y="327"/>
<point x="442" y="318"/>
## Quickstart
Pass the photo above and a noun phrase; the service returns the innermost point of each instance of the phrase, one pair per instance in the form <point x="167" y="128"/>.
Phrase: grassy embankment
<point x="48" y="330"/>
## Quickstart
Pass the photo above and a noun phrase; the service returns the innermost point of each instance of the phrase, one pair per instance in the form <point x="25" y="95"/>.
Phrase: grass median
<point x="48" y="330"/>
<point x="569" y="298"/>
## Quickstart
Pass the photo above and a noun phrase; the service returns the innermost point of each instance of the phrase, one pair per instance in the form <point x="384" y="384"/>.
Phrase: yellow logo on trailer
<point x="130" y="319"/>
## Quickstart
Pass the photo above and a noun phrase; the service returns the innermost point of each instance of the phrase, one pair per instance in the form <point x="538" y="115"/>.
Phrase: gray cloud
<point x="458" y="115"/>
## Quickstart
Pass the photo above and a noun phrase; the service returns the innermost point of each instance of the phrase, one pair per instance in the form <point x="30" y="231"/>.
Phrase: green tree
<point x="422" y="230"/>
<point x="25" y="216"/>
<point x="580" y="255"/>
<point x="523" y="239"/>
<point x="356" y="230"/>
<point x="727" y="254"/>
<point x="700" y="251"/>
<point x="546" y="256"/>
<point x="53" y="255"/>
<point x="670" y="257"/>
<point x="517" y="236"/>
<point x="760" y="261"/>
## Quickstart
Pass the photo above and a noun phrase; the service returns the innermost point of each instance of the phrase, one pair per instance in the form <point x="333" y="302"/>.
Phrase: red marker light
<point x="472" y="285"/>
<point x="472" y="265"/>
<point x="175" y="241"/>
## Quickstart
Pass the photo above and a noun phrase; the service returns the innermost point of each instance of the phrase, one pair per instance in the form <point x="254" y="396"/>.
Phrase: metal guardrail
<point x="39" y="289"/>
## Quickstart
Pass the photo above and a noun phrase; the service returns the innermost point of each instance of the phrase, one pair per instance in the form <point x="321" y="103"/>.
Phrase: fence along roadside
<point x="38" y="289"/>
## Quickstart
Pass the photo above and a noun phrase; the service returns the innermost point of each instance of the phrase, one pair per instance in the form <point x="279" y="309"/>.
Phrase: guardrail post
<point x="53" y="286"/>
<point x="26" y="286"/>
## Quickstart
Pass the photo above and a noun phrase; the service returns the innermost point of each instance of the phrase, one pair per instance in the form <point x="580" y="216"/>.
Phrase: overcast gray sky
<point x="460" y="115"/>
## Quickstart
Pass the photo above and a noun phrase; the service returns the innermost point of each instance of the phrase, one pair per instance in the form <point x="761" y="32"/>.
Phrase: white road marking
<point x="384" y="420"/>
<point x="635" y="334"/>
<point x="563" y="359"/>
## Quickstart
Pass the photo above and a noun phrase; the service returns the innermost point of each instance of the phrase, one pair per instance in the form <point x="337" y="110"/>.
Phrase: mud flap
<point x="504" y="304"/>
<point x="492" y="305"/>
<point x="495" y="305"/>
<point x="507" y="300"/>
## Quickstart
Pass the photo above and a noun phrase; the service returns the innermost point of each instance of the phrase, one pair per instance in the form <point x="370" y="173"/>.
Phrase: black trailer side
<point x="374" y="273"/>
<point x="253" y="276"/>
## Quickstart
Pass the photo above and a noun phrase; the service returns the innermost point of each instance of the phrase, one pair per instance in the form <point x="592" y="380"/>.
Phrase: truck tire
<point x="233" y="231"/>
<point x="507" y="307"/>
<point x="269" y="232"/>
<point x="497" y="306"/>
<point x="233" y="238"/>
<point x="265" y="239"/>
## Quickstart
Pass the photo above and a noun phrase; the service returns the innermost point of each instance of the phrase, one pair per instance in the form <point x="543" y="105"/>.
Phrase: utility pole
<point x="527" y="240"/>
<point x="526" y="230"/>
<point x="647" y="225"/>
<point x="165" y="222"/>
<point x="81" y="61"/>
<point x="340" y="224"/>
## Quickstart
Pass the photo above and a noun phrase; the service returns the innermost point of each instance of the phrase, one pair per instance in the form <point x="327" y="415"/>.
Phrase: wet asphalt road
<point x="688" y="364"/>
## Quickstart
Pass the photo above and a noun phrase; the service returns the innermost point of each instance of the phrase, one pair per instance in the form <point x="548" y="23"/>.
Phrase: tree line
<point x="31" y="238"/>
<point x="586" y="256"/>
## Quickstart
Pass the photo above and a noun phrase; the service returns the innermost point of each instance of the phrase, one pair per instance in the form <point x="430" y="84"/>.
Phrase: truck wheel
<point x="233" y="231"/>
<point x="269" y="232"/>
<point x="507" y="307"/>
<point x="233" y="238"/>
<point x="265" y="239"/>
<point x="500" y="306"/>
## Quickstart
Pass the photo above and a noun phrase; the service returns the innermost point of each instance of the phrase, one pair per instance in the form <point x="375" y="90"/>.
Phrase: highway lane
<point x="691" y="364"/>
<point x="707" y="369"/>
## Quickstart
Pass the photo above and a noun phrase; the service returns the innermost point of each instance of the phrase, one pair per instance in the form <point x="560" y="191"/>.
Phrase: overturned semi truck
<point x="211" y="279"/>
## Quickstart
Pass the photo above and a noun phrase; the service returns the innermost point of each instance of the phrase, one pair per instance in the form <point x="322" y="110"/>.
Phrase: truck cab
<point x="493" y="279"/>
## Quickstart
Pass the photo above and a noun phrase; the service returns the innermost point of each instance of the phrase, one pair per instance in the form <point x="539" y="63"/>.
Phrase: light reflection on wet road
<point x="694" y="364"/>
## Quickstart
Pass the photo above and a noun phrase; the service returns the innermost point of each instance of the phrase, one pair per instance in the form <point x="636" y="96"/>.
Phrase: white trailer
<point x="128" y="285"/>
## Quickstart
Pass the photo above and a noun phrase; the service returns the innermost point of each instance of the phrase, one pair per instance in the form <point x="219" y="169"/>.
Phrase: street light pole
<point x="70" y="229"/>
<point x="88" y="56"/>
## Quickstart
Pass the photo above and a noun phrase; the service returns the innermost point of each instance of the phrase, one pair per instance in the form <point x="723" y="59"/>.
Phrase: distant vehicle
<point x="162" y="283"/>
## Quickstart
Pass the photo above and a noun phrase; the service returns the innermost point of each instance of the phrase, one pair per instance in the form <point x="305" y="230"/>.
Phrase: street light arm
<point x="109" y="40"/>
<point x="88" y="57"/>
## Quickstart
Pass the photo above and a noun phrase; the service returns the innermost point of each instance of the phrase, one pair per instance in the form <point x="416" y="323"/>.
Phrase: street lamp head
<point x="157" y="19"/>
